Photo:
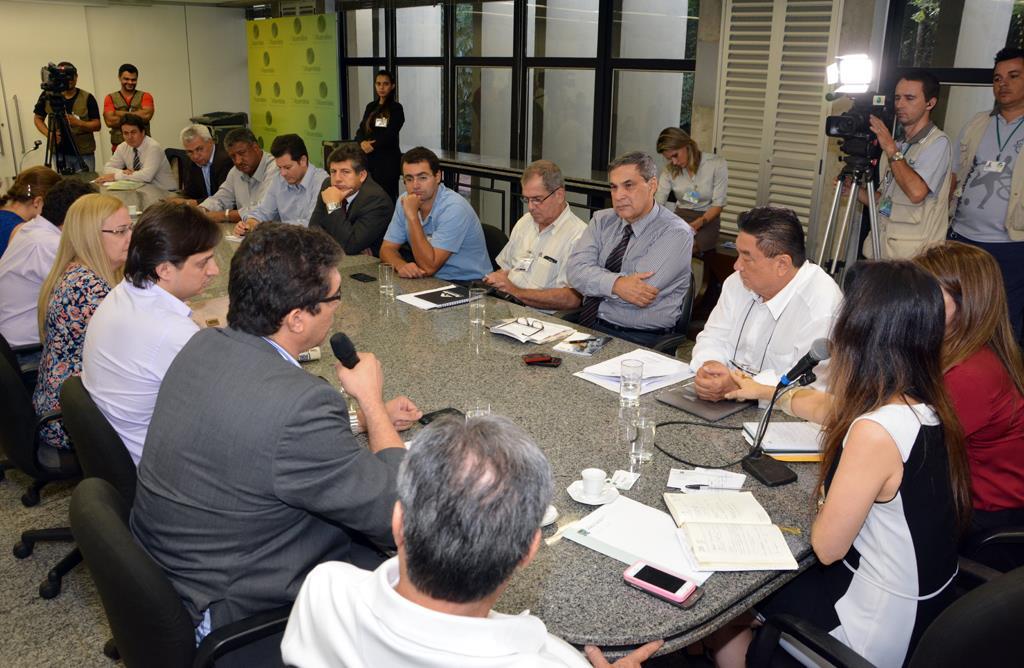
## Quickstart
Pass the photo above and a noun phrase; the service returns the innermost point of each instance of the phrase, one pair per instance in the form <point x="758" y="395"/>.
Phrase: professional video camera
<point x="853" y="126"/>
<point x="56" y="79"/>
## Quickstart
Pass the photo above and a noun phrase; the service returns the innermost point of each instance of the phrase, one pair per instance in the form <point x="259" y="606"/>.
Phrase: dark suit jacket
<point x="250" y="475"/>
<point x="193" y="183"/>
<point x="365" y="223"/>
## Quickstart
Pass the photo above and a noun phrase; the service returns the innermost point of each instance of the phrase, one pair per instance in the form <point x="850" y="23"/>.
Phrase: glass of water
<point x="477" y="307"/>
<point x="631" y="374"/>
<point x="386" y="278"/>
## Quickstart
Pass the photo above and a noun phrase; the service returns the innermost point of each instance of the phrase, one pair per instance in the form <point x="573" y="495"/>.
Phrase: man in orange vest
<point x="128" y="100"/>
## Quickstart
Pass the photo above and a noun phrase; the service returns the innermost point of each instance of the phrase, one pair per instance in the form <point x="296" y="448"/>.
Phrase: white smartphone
<point x="666" y="585"/>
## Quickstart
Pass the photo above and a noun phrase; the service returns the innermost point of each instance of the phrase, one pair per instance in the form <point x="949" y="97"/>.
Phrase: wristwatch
<point x="227" y="215"/>
<point x="333" y="206"/>
<point x="897" y="156"/>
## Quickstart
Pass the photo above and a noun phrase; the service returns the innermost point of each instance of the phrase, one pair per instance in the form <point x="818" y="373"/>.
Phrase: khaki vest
<point x="119" y="105"/>
<point x="84" y="140"/>
<point x="910" y="227"/>
<point x="970" y="139"/>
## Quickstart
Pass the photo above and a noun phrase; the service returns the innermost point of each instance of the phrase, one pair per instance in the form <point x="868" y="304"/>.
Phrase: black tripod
<point x="57" y="125"/>
<point x="857" y="172"/>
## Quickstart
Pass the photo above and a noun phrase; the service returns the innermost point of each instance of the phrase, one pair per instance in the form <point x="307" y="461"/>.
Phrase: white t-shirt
<point x="23" y="268"/>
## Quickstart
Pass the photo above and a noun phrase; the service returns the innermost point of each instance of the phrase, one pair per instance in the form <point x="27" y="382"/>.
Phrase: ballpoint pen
<point x="703" y="486"/>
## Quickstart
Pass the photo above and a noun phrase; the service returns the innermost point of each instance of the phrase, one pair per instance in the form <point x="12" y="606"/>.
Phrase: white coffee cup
<point x="593" y="482"/>
<point x="133" y="210"/>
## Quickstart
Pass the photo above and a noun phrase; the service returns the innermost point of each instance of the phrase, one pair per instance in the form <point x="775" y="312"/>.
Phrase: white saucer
<point x="550" y="515"/>
<point x="608" y="494"/>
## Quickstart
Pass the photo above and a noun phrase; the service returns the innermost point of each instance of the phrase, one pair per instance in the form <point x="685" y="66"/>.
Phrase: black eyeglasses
<point x="527" y="201"/>
<point x="328" y="300"/>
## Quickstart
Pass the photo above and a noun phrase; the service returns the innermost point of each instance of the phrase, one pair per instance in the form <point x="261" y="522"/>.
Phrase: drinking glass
<point x="477" y="307"/>
<point x="631" y="374"/>
<point x="386" y="278"/>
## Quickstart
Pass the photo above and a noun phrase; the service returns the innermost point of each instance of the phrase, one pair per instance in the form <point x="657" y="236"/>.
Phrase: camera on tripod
<point x="853" y="126"/>
<point x="57" y="79"/>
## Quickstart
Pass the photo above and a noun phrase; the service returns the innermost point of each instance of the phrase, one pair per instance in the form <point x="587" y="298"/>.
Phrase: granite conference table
<point x="431" y="357"/>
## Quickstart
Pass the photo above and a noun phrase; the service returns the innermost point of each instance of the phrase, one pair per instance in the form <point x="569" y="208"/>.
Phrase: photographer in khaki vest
<point x="128" y="100"/>
<point x="913" y="173"/>
<point x="83" y="117"/>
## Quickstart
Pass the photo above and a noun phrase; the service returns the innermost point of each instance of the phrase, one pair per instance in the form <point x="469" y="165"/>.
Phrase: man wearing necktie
<point x="632" y="264"/>
<point x="138" y="158"/>
<point x="207" y="166"/>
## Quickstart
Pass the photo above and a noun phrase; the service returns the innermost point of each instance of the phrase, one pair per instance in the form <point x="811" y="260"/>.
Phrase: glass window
<point x="958" y="33"/>
<point x="483" y="29"/>
<point x="360" y="94"/>
<point x="364" y="33"/>
<point x="957" y="104"/>
<point x="655" y="29"/>
<point x="561" y="28"/>
<point x="483" y="110"/>
<point x="418" y="31"/>
<point x="420" y="92"/>
<point x="560" y="118"/>
<point x="643" y="103"/>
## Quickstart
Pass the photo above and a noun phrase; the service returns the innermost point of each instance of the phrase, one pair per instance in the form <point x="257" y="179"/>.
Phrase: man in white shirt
<point x="471" y="496"/>
<point x="771" y="309"/>
<point x="138" y="158"/>
<point x="143" y="322"/>
<point x="534" y="259"/>
<point x="246" y="182"/>
<point x="28" y="259"/>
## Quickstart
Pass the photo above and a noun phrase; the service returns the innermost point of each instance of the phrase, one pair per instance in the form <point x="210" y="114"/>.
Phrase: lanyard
<point x="999" y="141"/>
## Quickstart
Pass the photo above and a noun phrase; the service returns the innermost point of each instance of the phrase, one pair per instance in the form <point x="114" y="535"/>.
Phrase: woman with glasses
<point x="378" y="134"/>
<point x="985" y="378"/>
<point x="894" y="479"/>
<point x="699" y="181"/>
<point x="24" y="200"/>
<point x="90" y="261"/>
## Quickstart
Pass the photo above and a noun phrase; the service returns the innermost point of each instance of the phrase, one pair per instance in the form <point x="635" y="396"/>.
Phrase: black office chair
<point x="28" y="371"/>
<point x="981" y="628"/>
<point x="146" y="616"/>
<point x="1001" y="549"/>
<point x="495" y="240"/>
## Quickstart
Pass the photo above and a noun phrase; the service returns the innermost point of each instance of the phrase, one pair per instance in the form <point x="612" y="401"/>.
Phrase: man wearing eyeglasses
<point x="251" y="474"/>
<point x="439" y="225"/>
<point x="533" y="262"/>
<point x="771" y="310"/>
<point x="144" y="321"/>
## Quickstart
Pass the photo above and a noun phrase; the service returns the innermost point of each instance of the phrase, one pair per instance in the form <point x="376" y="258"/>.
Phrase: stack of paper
<point x="729" y="532"/>
<point x="701" y="479"/>
<point x="788" y="441"/>
<point x="531" y="330"/>
<point x="659" y="371"/>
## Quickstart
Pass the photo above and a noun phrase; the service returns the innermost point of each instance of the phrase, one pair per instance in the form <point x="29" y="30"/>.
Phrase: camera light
<point x="853" y="73"/>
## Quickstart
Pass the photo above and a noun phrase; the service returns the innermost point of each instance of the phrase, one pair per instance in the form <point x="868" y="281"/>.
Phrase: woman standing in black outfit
<point x="378" y="134"/>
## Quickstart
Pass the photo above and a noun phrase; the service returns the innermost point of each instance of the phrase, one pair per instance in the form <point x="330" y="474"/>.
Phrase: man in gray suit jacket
<point x="251" y="475"/>
<point x="352" y="207"/>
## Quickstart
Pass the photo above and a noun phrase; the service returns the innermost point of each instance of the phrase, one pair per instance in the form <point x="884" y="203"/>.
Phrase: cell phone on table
<point x="430" y="417"/>
<point x="656" y="581"/>
<point x="363" y="278"/>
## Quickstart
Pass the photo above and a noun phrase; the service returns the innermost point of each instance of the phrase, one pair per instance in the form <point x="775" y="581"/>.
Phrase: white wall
<point x="192" y="59"/>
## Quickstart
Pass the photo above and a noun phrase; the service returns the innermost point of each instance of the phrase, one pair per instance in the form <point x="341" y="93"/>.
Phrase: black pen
<point x="703" y="486"/>
<point x="550" y="259"/>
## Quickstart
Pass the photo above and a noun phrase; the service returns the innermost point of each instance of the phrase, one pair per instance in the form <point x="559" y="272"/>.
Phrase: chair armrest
<point x="816" y="640"/>
<point x="27" y="348"/>
<point x="46" y="418"/>
<point x="669" y="343"/>
<point x="237" y="634"/>
<point x="571" y="315"/>
<point x="973" y="574"/>
<point x="1002" y="535"/>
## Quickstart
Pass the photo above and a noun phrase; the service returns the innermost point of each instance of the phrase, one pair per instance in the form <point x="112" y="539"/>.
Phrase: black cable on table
<point x="696" y="424"/>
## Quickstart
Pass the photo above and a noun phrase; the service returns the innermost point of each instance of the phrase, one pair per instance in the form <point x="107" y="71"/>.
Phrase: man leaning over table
<point x="471" y="495"/>
<point x="533" y="262"/>
<point x="207" y="167"/>
<point x="141" y="325"/>
<point x="292" y="192"/>
<point x="772" y="308"/>
<point x="439" y="226"/>
<point x="251" y="473"/>
<point x="138" y="158"/>
<point x="632" y="263"/>
<point x="246" y="182"/>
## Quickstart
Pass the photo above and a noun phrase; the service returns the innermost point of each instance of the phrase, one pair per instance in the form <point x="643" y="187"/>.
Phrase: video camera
<point x="57" y="79"/>
<point x="853" y="126"/>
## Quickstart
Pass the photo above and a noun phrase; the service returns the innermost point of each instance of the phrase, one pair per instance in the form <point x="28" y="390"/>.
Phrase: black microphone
<point x="344" y="350"/>
<point x="817" y="353"/>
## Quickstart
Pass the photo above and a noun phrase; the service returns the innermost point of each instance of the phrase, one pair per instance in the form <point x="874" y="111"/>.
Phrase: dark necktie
<point x="136" y="163"/>
<point x="344" y="205"/>
<point x="588" y="313"/>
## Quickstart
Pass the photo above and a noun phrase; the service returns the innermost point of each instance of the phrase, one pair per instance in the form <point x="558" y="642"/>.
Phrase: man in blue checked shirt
<point x="293" y="192"/>
<point x="439" y="225"/>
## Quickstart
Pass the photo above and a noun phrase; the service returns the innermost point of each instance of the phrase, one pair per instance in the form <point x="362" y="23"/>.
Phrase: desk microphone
<point x="344" y="350"/>
<point x="817" y="353"/>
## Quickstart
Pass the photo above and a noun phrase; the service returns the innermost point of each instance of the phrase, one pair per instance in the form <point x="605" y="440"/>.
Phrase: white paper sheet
<point x="787" y="436"/>
<point x="714" y="479"/>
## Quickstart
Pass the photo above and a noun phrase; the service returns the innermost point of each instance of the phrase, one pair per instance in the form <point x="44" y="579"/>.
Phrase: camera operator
<point x="82" y="112"/>
<point x="914" y="173"/>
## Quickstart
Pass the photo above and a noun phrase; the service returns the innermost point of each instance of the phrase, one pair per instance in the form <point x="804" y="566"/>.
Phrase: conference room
<point x="708" y="120"/>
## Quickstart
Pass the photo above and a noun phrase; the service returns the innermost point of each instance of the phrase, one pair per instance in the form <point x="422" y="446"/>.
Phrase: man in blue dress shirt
<point x="293" y="192"/>
<point x="439" y="225"/>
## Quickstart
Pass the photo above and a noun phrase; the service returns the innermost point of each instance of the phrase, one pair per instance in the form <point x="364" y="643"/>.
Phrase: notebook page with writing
<point x="739" y="508"/>
<point x="738" y="547"/>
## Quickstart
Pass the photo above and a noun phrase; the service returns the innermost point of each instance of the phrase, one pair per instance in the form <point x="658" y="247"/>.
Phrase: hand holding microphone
<point x="359" y="373"/>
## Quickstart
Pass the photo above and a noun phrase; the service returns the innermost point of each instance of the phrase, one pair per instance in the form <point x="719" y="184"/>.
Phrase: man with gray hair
<point x="207" y="167"/>
<point x="471" y="496"/>
<point x="533" y="262"/>
<point x="245" y="183"/>
<point x="633" y="262"/>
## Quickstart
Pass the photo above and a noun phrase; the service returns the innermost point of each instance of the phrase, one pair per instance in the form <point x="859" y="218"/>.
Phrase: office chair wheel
<point x="22" y="550"/>
<point x="110" y="650"/>
<point x="30" y="497"/>
<point x="49" y="589"/>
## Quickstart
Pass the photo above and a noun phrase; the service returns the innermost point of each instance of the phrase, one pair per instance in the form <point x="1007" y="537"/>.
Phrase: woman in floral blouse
<point x="90" y="261"/>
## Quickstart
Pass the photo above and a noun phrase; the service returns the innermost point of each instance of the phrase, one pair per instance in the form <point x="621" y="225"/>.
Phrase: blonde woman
<point x="699" y="182"/>
<point x="24" y="200"/>
<point x="90" y="261"/>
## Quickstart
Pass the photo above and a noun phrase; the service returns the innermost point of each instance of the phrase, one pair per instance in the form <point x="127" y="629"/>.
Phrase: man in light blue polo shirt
<point x="293" y="192"/>
<point x="438" y="224"/>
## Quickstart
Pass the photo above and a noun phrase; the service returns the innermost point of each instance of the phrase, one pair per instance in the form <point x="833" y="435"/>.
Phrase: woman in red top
<point x="985" y="378"/>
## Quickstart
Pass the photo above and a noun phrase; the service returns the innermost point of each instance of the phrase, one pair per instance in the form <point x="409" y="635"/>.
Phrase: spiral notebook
<point x="449" y="295"/>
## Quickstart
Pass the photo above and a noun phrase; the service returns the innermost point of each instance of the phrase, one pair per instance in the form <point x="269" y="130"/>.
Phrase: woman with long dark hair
<point x="378" y="134"/>
<point x="895" y="486"/>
